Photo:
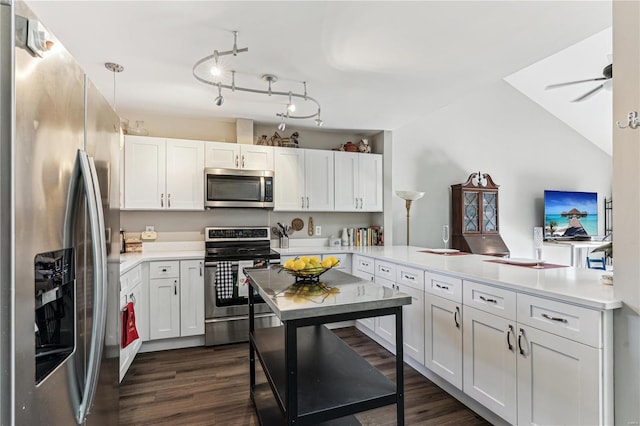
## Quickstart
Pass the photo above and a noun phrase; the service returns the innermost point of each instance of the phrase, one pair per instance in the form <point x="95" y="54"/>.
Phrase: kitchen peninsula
<point x="315" y="376"/>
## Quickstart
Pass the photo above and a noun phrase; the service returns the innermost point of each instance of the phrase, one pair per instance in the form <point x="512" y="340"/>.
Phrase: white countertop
<point x="575" y="285"/>
<point x="130" y="260"/>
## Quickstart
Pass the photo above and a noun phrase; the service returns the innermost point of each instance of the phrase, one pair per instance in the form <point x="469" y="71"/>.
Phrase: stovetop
<point x="238" y="243"/>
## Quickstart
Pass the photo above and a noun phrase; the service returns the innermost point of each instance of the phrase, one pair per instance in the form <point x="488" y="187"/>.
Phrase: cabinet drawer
<point x="168" y="269"/>
<point x="130" y="278"/>
<point x="364" y="264"/>
<point x="412" y="277"/>
<point x="343" y="258"/>
<point x="443" y="286"/>
<point x="490" y="299"/>
<point x="385" y="270"/>
<point x="573" y="322"/>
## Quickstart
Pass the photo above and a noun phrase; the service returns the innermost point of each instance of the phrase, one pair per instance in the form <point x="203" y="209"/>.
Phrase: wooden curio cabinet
<point x="474" y="217"/>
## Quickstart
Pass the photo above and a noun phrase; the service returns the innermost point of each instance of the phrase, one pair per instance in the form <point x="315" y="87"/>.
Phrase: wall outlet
<point x="318" y="230"/>
<point x="149" y="228"/>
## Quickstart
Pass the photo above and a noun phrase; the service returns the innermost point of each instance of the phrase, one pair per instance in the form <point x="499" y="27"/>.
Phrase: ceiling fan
<point x="607" y="73"/>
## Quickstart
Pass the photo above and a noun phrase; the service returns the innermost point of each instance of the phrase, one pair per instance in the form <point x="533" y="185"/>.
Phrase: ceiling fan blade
<point x="589" y="94"/>
<point x="553" y="86"/>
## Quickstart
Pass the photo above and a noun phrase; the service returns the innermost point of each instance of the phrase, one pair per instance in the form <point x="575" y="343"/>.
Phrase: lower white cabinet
<point x="164" y="308"/>
<point x="176" y="301"/>
<point x="559" y="380"/>
<point x="443" y="338"/>
<point x="361" y="267"/>
<point x="131" y="290"/>
<point x="413" y="323"/>
<point x="385" y="326"/>
<point x="489" y="373"/>
<point x="191" y="297"/>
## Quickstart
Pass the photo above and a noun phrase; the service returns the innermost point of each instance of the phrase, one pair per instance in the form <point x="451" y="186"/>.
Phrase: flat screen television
<point x="570" y="214"/>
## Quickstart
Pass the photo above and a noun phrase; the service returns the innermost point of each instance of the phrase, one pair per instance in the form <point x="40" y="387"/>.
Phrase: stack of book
<point x="371" y="236"/>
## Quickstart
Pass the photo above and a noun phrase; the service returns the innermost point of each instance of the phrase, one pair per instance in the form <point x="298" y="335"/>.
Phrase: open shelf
<point x="333" y="380"/>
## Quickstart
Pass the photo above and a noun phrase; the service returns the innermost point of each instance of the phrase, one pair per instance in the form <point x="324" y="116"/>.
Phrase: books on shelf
<point x="371" y="236"/>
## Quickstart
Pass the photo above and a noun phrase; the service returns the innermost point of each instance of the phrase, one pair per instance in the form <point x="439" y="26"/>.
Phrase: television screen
<point x="569" y="214"/>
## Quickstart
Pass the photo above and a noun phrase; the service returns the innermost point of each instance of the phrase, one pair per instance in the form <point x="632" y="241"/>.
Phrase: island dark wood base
<point x="314" y="377"/>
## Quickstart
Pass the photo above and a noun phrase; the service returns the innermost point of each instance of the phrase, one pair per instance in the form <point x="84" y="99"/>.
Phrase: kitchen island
<point x="312" y="375"/>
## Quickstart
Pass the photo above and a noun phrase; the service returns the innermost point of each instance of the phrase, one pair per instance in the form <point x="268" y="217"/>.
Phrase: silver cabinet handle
<point x="132" y="297"/>
<point x="356" y="202"/>
<point x="360" y="203"/>
<point x="409" y="277"/>
<point x="200" y="268"/>
<point x="364" y="264"/>
<point x="456" y="314"/>
<point x="236" y="161"/>
<point x="307" y="202"/>
<point x="164" y="269"/>
<point x="175" y="287"/>
<point x="243" y="161"/>
<point x="162" y="200"/>
<point x="302" y="202"/>
<point x="520" y="337"/>
<point x="444" y="287"/>
<point x="384" y="270"/>
<point x="562" y="320"/>
<point x="509" y="332"/>
<point x="169" y="200"/>
<point x="488" y="300"/>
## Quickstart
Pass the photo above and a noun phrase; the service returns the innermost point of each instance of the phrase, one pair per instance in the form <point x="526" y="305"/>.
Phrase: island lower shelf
<point x="333" y="381"/>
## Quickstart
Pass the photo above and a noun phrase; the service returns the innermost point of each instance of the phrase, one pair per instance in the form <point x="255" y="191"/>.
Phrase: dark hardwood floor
<point x="210" y="386"/>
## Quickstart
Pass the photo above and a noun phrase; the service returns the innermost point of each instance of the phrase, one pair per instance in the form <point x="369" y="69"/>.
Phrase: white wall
<point x="498" y="131"/>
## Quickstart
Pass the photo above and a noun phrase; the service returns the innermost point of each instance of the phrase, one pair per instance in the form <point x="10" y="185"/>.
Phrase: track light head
<point x="319" y="122"/>
<point x="282" y="125"/>
<point x="220" y="99"/>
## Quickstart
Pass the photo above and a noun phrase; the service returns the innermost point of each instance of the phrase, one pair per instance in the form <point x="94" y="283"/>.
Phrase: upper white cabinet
<point x="221" y="155"/>
<point x="303" y="180"/>
<point x="358" y="182"/>
<point x="163" y="174"/>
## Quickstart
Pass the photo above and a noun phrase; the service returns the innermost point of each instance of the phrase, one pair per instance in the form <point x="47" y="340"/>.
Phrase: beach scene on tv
<point x="570" y="214"/>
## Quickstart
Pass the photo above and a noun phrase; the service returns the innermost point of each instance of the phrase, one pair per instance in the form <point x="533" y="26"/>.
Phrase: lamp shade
<point x="410" y="195"/>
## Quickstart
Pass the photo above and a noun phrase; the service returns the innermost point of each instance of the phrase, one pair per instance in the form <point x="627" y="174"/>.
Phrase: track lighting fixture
<point x="219" y="100"/>
<point x="318" y="121"/>
<point x="215" y="76"/>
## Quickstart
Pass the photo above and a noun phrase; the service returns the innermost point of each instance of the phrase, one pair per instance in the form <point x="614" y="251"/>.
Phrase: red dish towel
<point x="129" y="331"/>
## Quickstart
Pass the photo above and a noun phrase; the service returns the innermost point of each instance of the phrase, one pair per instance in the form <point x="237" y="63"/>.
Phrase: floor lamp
<point x="409" y="197"/>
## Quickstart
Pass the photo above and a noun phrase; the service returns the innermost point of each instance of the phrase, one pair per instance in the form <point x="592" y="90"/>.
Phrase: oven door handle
<point x="215" y="264"/>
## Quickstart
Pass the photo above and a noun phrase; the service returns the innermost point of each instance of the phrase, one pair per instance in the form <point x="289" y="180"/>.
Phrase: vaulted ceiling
<point x="371" y="65"/>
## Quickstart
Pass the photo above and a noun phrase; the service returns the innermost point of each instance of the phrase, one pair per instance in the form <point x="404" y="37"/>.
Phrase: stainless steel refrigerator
<point x="59" y="223"/>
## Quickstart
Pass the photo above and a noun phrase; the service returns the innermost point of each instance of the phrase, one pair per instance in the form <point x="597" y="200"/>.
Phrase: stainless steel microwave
<point x="238" y="188"/>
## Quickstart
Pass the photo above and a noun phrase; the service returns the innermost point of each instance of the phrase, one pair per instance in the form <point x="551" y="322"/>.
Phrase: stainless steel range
<point x="228" y="251"/>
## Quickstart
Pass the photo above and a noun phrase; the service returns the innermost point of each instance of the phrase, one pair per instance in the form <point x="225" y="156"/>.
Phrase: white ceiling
<point x="592" y="118"/>
<point x="371" y="65"/>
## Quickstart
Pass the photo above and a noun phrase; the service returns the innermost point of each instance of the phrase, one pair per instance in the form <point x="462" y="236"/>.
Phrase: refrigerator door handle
<point x="85" y="169"/>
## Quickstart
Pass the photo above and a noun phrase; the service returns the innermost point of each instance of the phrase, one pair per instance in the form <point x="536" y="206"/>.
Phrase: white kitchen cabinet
<point x="191" y="297"/>
<point x="164" y="308"/>
<point x="221" y="155"/>
<point x="443" y="338"/>
<point x="176" y="298"/>
<point x="489" y="373"/>
<point x="363" y="268"/>
<point x="303" y="180"/>
<point x="385" y="326"/>
<point x="559" y="380"/>
<point x="413" y="323"/>
<point x="358" y="182"/>
<point x="144" y="172"/>
<point x="132" y="291"/>
<point x="163" y="174"/>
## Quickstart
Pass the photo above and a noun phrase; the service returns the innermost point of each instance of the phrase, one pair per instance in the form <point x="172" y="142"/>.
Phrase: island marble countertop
<point x="570" y="284"/>
<point x="290" y="301"/>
